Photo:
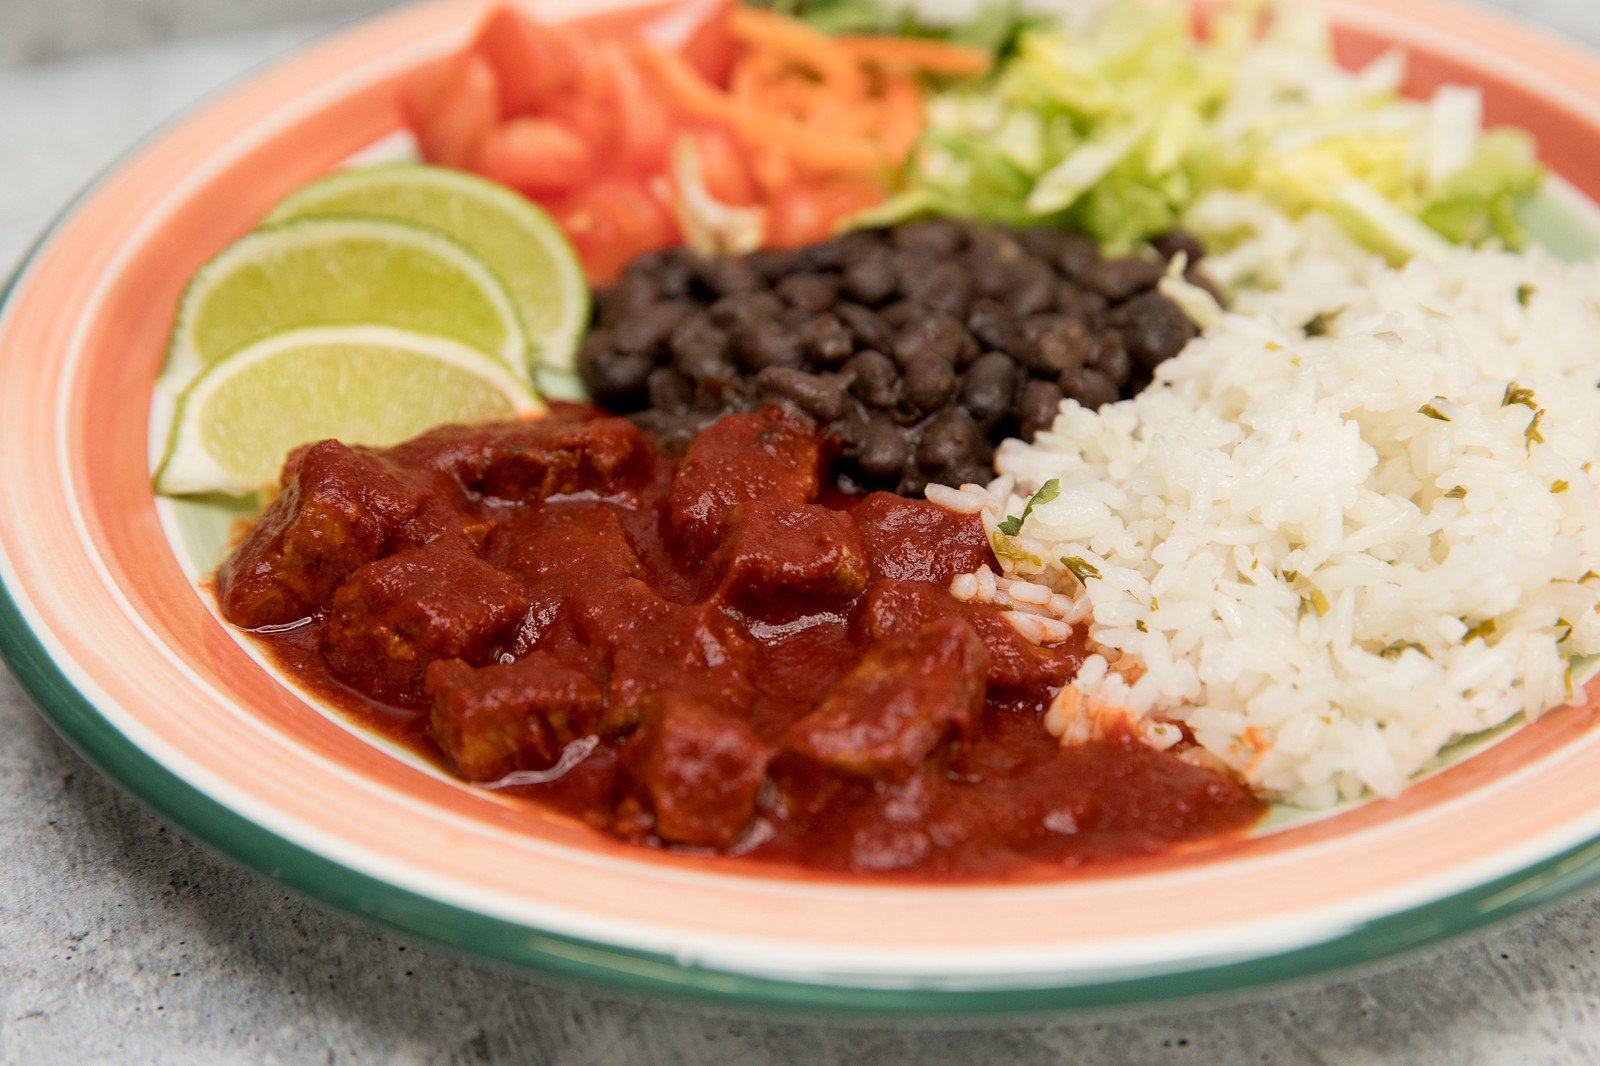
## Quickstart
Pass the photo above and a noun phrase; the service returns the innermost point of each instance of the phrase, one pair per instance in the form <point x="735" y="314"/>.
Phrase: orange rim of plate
<point x="124" y="654"/>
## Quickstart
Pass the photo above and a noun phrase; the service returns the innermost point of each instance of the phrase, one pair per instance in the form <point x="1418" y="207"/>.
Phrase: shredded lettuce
<point x="1116" y="124"/>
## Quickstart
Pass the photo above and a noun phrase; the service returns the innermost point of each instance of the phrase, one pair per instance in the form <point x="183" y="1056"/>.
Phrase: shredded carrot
<point x="810" y="149"/>
<point x="901" y="124"/>
<point x="909" y="55"/>
<point x="799" y="43"/>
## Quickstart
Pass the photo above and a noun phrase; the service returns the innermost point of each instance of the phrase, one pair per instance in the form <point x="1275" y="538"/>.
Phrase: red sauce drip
<point x="697" y="653"/>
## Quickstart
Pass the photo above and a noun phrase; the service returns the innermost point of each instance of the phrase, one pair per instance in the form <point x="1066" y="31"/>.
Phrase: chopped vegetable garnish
<point x="1083" y="570"/>
<point x="1532" y="434"/>
<point x="1012" y="524"/>
<point x="1116" y="122"/>
<point x="1517" y="394"/>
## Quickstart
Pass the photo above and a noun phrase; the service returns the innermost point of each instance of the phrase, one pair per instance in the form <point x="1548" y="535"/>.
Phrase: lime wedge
<point x="362" y="384"/>
<point x="343" y="271"/>
<point x="519" y="241"/>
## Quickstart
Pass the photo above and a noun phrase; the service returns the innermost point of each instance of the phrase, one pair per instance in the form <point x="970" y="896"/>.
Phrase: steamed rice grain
<point x="1328" y="556"/>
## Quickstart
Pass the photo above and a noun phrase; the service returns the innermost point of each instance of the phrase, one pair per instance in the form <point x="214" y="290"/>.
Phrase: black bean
<point x="773" y="264"/>
<point x="1153" y="327"/>
<point x="669" y="390"/>
<point x="1089" y="387"/>
<point x="970" y="350"/>
<point x="1050" y="344"/>
<point x="881" y="449"/>
<point x="933" y="237"/>
<point x="849" y="247"/>
<point x="901" y="312"/>
<point x="874" y="378"/>
<point x="1046" y="242"/>
<point x="1090" y="308"/>
<point x="763" y="343"/>
<point x="929" y="382"/>
<point x="871" y="278"/>
<point x="990" y="322"/>
<point x="949" y="439"/>
<point x="869" y="330"/>
<point x="972" y="472"/>
<point x="1030" y="288"/>
<point x="1076" y="255"/>
<point x="615" y="379"/>
<point x="731" y="312"/>
<point x="672" y="431"/>
<point x="943" y="287"/>
<point x="725" y="275"/>
<point x="821" y="397"/>
<point x="991" y="279"/>
<point x="827" y="340"/>
<point x="809" y="292"/>
<point x="718" y="394"/>
<point x="828" y="255"/>
<point x="1111" y="357"/>
<point x="700" y="349"/>
<point x="936" y="336"/>
<point x="646" y="330"/>
<point x="1037" y="406"/>
<point x="673" y="274"/>
<point x="1118" y="279"/>
<point x="633" y="292"/>
<point x="1174" y="241"/>
<point x="988" y="387"/>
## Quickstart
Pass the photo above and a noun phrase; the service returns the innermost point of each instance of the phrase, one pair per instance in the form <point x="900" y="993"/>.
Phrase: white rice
<point x="1296" y="560"/>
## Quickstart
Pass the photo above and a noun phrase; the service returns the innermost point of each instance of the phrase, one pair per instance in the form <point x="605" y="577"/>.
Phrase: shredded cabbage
<point x="1118" y="124"/>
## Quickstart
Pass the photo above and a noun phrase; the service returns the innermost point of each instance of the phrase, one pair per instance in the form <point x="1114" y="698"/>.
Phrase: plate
<point x="106" y="622"/>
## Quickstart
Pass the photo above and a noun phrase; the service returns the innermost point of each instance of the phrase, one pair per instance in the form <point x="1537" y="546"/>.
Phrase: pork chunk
<point x="914" y="540"/>
<point x="340" y="508"/>
<point x="893" y="609"/>
<point x="503" y="717"/>
<point x="697" y="649"/>
<point x="779" y="560"/>
<point x="560" y="536"/>
<point x="393" y="617"/>
<point x="534" y="459"/>
<point x="898" y="703"/>
<point x="766" y="456"/>
<point x="700" y="768"/>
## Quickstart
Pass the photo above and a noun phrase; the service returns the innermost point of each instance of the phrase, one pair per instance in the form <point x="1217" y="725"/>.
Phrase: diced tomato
<point x="536" y="155"/>
<point x="711" y="47"/>
<point x="723" y="166"/>
<point x="454" y="108"/>
<point x="588" y="110"/>
<point x="810" y="212"/>
<point x="419" y="93"/>
<point x="536" y="63"/>
<point x="613" y="219"/>
<point x="642" y="119"/>
<point x="698" y="30"/>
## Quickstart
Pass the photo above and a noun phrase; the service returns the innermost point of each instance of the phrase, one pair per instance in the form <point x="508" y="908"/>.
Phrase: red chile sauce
<point x="712" y="654"/>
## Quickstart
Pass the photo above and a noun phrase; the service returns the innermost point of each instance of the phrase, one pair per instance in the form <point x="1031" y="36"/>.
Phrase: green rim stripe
<point x="323" y="878"/>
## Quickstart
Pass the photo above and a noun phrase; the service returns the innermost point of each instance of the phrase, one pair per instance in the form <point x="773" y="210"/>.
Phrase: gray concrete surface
<point x="122" y="941"/>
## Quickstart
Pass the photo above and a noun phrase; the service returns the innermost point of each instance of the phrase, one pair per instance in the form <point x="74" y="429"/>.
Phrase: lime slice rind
<point x="327" y="271"/>
<point x="513" y="235"/>
<point x="364" y="384"/>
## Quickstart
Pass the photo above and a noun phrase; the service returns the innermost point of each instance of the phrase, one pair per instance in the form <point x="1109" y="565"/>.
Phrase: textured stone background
<point x="122" y="941"/>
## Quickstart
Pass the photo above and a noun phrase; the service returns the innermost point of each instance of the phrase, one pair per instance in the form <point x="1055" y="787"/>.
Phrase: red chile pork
<point x="709" y="652"/>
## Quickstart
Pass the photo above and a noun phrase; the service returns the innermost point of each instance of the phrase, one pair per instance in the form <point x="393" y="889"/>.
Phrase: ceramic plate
<point x="106" y="622"/>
